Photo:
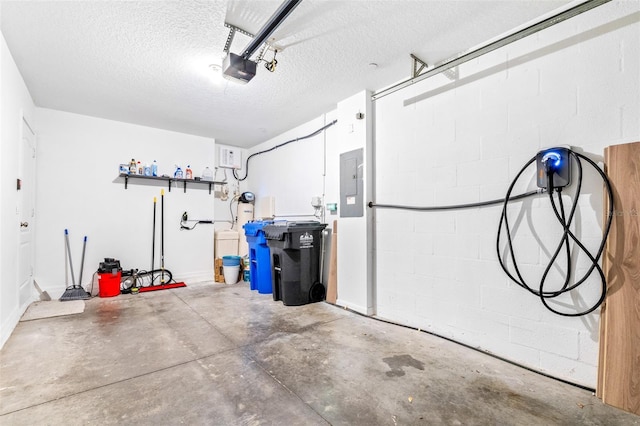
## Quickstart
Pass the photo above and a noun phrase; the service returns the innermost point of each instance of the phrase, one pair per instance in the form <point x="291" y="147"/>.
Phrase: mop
<point x="162" y="285"/>
<point x="75" y="292"/>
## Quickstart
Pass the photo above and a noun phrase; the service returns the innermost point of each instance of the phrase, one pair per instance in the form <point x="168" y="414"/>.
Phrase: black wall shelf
<point x="169" y="181"/>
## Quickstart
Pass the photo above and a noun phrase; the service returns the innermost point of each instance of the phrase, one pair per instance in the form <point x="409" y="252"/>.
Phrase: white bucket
<point x="231" y="274"/>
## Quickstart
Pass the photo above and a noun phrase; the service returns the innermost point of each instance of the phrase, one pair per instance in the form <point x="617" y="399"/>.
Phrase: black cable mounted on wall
<point x="310" y="135"/>
<point x="567" y="235"/>
<point x="551" y="170"/>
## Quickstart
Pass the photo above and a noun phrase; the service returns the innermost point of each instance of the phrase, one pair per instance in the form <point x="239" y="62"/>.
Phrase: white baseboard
<point x="354" y="307"/>
<point x="10" y="324"/>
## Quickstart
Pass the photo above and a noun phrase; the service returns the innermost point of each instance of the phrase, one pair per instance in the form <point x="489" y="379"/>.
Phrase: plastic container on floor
<point x="259" y="256"/>
<point x="231" y="260"/>
<point x="295" y="261"/>
<point x="109" y="284"/>
<point x="231" y="274"/>
<point x="225" y="243"/>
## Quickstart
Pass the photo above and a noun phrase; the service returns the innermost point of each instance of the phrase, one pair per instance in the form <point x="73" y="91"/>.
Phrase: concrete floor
<point x="218" y="354"/>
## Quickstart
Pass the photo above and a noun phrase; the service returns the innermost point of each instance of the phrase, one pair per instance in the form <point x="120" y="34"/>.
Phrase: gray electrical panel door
<point x="351" y="185"/>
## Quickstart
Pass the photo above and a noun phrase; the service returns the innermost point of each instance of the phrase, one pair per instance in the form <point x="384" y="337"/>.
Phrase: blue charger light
<point x="553" y="156"/>
<point x="553" y="161"/>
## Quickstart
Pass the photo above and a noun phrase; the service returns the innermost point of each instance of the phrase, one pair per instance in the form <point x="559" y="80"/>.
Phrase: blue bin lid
<point x="231" y="260"/>
<point x="254" y="228"/>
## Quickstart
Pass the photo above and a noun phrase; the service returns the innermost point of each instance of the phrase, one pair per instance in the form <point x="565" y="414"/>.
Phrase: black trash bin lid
<point x="276" y="230"/>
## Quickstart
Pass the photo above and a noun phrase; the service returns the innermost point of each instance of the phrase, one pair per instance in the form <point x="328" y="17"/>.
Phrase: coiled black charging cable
<point x="565" y="242"/>
<point x="567" y="235"/>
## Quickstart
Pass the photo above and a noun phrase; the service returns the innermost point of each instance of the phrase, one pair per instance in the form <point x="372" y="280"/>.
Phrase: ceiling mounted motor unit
<point x="239" y="67"/>
<point x="236" y="68"/>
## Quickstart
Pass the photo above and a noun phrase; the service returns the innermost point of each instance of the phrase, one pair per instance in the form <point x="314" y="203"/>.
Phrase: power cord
<point x="310" y="135"/>
<point x="567" y="235"/>
<point x="454" y="206"/>
<point x="142" y="278"/>
<point x="185" y="219"/>
<point x="550" y="164"/>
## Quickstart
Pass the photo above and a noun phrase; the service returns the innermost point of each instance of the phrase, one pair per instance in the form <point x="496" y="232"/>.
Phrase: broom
<point x="75" y="292"/>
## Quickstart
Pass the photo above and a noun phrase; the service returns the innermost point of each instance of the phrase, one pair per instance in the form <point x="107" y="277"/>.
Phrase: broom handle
<point x="162" y="235"/>
<point x="66" y="266"/>
<point x="153" y="238"/>
<point x="66" y="236"/>
<point x="84" y="248"/>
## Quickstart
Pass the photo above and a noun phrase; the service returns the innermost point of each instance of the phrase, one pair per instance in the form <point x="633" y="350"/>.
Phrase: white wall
<point x="15" y="102"/>
<point x="440" y="142"/>
<point x="355" y="234"/>
<point x="295" y="173"/>
<point x="78" y="189"/>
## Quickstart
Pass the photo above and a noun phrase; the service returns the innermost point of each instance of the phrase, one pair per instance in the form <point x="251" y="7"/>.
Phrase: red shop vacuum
<point x="110" y="273"/>
<point x="109" y="277"/>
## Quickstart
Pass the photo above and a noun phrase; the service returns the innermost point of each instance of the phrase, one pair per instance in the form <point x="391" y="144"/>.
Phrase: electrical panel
<point x="351" y="184"/>
<point x="230" y="158"/>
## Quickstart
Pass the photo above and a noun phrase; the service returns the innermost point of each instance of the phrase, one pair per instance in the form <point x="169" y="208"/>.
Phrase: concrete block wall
<point x="442" y="142"/>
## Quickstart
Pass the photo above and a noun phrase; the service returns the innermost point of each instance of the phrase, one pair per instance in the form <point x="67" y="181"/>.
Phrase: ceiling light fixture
<point x="239" y="67"/>
<point x="215" y="73"/>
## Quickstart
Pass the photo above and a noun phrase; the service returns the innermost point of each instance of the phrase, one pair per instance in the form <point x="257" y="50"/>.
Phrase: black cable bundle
<point x="567" y="236"/>
<point x="310" y="135"/>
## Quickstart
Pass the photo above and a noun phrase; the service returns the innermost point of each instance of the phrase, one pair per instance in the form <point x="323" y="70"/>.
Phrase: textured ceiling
<point x="147" y="62"/>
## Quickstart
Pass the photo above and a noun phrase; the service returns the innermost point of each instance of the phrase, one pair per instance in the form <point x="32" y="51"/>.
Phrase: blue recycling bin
<point x="259" y="256"/>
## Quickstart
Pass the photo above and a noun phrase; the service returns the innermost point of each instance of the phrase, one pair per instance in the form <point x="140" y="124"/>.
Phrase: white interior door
<point x="26" y="213"/>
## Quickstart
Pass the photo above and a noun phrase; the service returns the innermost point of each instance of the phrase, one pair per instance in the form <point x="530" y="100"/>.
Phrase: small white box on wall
<point x="230" y="158"/>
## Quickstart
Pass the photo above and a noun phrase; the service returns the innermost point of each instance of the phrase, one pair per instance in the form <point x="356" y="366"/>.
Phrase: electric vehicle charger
<point x="553" y="174"/>
<point x="552" y="163"/>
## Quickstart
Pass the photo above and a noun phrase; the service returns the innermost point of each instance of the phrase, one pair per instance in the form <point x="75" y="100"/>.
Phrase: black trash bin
<point x="295" y="261"/>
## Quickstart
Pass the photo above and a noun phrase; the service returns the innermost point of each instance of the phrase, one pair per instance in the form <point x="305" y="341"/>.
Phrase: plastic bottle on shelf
<point x="132" y="167"/>
<point x="147" y="170"/>
<point x="154" y="168"/>
<point x="140" y="170"/>
<point x="188" y="173"/>
<point x="178" y="173"/>
<point x="207" y="174"/>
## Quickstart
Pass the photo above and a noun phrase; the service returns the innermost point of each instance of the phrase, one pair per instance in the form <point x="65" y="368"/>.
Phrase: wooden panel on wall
<point x="619" y="366"/>
<point x="332" y="286"/>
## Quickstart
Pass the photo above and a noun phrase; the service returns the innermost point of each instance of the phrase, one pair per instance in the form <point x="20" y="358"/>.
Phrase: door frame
<point x="23" y="302"/>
